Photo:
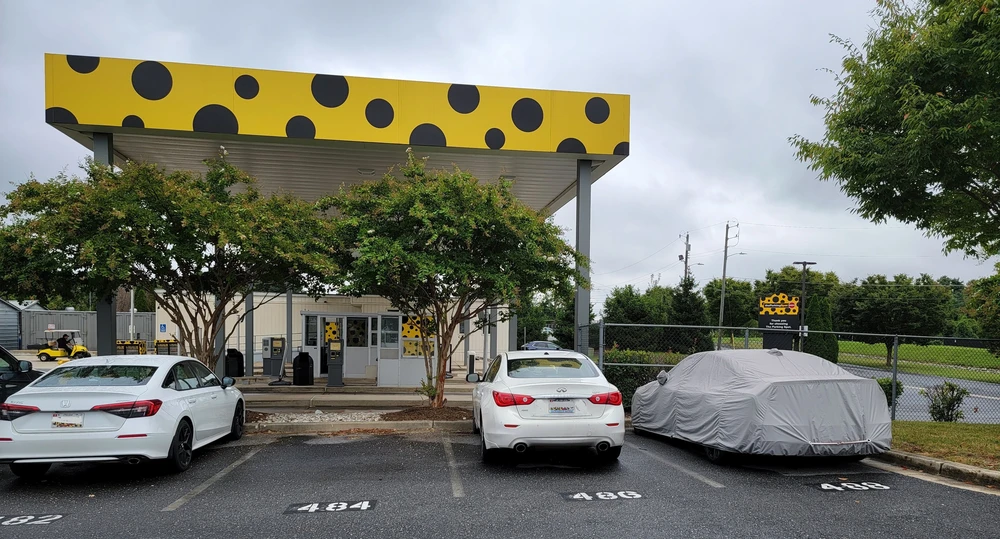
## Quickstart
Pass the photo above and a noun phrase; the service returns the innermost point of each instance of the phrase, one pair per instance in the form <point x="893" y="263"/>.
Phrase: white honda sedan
<point x="546" y="399"/>
<point x="118" y="408"/>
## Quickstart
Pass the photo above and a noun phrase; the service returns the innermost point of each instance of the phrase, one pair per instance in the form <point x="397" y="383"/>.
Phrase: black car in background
<point x="14" y="374"/>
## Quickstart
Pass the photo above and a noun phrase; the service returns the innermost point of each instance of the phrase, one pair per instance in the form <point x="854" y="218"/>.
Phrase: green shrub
<point x="945" y="401"/>
<point x="628" y="379"/>
<point x="886" y="384"/>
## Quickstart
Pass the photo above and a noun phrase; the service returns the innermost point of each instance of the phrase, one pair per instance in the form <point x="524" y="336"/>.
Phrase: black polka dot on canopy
<point x="300" y="127"/>
<point x="495" y="139"/>
<point x="379" y="113"/>
<point x="527" y="114"/>
<point x="83" y="64"/>
<point x="246" y="86"/>
<point x="597" y="110"/>
<point x="463" y="98"/>
<point x="133" y="121"/>
<point x="427" y="135"/>
<point x="152" y="80"/>
<point x="330" y="90"/>
<point x="621" y="148"/>
<point x="571" y="145"/>
<point x="215" y="119"/>
<point x="59" y="115"/>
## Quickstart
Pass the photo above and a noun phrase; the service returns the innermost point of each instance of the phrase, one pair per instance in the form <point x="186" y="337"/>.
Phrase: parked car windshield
<point x="551" y="367"/>
<point x="97" y="375"/>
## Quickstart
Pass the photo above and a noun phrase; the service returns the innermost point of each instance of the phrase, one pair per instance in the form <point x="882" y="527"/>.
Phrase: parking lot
<point x="433" y="485"/>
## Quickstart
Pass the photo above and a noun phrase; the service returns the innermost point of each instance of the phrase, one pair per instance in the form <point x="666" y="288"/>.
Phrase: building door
<point x="356" y="353"/>
<point x="310" y="341"/>
<point x="388" y="352"/>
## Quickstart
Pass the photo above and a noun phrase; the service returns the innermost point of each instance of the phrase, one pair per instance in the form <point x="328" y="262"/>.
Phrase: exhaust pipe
<point x="603" y="446"/>
<point x="520" y="447"/>
<point x="134" y="460"/>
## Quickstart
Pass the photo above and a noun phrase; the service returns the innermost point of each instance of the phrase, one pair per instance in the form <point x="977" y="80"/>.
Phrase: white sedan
<point x="547" y="399"/>
<point x="118" y="408"/>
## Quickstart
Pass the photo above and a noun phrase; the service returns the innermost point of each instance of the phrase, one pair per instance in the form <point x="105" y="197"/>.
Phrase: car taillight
<point x="10" y="412"/>
<point x="614" y="398"/>
<point x="510" y="399"/>
<point x="130" y="409"/>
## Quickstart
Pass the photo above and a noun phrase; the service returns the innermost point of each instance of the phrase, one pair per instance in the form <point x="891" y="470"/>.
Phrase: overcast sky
<point x="717" y="88"/>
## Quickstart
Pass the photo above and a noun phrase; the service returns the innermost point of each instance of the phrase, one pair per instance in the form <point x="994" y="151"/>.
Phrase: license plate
<point x="561" y="406"/>
<point x="67" y="421"/>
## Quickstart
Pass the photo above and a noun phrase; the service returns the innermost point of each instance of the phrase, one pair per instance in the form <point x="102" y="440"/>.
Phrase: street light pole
<point x="802" y="305"/>
<point x="722" y="298"/>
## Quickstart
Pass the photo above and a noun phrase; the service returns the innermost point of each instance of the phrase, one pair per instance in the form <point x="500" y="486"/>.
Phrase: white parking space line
<point x="211" y="481"/>
<point x="456" y="480"/>
<point x="677" y="467"/>
<point x="930" y="478"/>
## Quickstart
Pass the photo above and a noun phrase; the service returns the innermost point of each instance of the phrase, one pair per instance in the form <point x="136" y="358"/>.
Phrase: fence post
<point x="600" y="345"/>
<point x="895" y="369"/>
<point x="746" y="338"/>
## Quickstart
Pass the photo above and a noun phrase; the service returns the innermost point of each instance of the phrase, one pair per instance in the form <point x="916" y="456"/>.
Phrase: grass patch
<point x="968" y="443"/>
<point x="942" y="371"/>
<point x="940" y="354"/>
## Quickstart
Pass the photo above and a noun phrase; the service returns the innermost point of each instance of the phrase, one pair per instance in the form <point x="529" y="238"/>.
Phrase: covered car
<point x="765" y="402"/>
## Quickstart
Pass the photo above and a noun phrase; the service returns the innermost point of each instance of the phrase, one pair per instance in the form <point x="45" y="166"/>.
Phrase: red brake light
<point x="131" y="409"/>
<point x="508" y="399"/>
<point x="614" y="398"/>
<point x="10" y="412"/>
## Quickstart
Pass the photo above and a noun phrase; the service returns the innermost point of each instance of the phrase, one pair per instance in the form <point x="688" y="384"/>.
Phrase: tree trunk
<point x="888" y="354"/>
<point x="444" y="356"/>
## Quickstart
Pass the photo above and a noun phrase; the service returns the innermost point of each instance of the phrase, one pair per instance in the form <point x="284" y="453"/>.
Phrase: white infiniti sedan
<point x="546" y="399"/>
<point x="118" y="408"/>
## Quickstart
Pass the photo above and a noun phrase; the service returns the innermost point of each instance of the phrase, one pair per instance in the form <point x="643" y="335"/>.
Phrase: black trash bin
<point x="234" y="363"/>
<point x="302" y="370"/>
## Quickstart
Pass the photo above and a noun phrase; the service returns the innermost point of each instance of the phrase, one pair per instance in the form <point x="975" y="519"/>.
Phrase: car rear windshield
<point x="97" y="376"/>
<point x="550" y="367"/>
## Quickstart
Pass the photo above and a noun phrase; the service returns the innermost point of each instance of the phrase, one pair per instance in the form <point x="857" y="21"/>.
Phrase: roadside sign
<point x="50" y="327"/>
<point x="163" y="328"/>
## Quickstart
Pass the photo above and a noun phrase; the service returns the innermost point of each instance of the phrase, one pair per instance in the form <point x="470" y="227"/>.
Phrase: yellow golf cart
<point x="52" y="349"/>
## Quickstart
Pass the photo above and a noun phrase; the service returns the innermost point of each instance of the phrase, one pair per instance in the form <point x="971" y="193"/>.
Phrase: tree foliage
<point x="443" y="246"/>
<point x="823" y="345"/>
<point x="913" y="132"/>
<point x="689" y="310"/>
<point x="983" y="305"/>
<point x="193" y="238"/>
<point x="741" y="305"/>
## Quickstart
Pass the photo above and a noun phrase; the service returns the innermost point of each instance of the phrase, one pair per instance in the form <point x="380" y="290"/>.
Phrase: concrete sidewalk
<point x="347" y="400"/>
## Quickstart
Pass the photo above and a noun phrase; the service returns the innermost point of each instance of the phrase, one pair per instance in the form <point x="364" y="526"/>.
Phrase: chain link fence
<point x="924" y="378"/>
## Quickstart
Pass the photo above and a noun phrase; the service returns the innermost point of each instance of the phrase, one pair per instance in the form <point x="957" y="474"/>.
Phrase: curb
<point x="341" y="426"/>
<point x="944" y="468"/>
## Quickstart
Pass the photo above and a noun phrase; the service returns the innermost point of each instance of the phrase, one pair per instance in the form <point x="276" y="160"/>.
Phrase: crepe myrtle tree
<point x="913" y="131"/>
<point x="443" y="247"/>
<point x="198" y="243"/>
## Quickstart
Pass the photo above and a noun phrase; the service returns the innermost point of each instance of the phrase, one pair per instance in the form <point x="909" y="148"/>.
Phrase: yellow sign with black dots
<point x="779" y="304"/>
<point x="134" y="95"/>
<point x="331" y="332"/>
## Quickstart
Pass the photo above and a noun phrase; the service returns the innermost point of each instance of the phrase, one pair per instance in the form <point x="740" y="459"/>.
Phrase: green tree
<point x="913" y="132"/>
<point x="741" y="306"/>
<point x="823" y="345"/>
<point x="443" y="246"/>
<point x="983" y="306"/>
<point x="902" y="306"/>
<point x="689" y="310"/>
<point x="195" y="238"/>
<point x="626" y="305"/>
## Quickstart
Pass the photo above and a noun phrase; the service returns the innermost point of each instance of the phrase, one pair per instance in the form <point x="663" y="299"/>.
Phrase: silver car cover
<point x="767" y="402"/>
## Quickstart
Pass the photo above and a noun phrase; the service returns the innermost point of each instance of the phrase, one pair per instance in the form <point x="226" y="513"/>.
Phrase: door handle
<point x="215" y="396"/>
<point x="192" y="401"/>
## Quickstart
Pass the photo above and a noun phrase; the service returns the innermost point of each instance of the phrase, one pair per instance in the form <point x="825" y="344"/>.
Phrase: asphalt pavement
<point x="981" y="406"/>
<point x="433" y="485"/>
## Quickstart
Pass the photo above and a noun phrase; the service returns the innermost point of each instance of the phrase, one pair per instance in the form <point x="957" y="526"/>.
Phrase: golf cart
<point x="51" y="350"/>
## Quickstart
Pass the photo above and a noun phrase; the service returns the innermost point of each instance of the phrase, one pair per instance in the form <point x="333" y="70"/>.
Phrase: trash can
<point x="302" y="370"/>
<point x="335" y="362"/>
<point x="234" y="363"/>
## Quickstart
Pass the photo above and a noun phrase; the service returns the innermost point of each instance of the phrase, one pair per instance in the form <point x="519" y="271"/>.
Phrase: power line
<point x="837" y="255"/>
<point x="643" y="260"/>
<point x="828" y="227"/>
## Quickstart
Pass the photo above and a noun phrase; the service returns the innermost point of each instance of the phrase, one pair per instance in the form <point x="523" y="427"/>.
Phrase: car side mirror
<point x="25" y="366"/>
<point x="662" y="377"/>
<point x="472" y="378"/>
<point x="228" y="382"/>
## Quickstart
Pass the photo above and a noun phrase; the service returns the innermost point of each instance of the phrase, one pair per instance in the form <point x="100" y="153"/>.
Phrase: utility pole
<point x="725" y="259"/>
<point x="802" y="305"/>
<point x="687" y="253"/>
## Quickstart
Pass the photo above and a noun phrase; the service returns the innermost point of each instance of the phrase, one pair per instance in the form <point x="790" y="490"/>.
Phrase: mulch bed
<point x="426" y="413"/>
<point x="256" y="417"/>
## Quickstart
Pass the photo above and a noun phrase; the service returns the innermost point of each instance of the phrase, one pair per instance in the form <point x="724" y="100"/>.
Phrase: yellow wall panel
<point x="113" y="93"/>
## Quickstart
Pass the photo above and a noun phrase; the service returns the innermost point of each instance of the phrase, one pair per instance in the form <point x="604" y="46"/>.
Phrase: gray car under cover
<point x="766" y="402"/>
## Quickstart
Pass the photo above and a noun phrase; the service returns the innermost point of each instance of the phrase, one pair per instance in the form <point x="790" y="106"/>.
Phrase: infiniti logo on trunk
<point x="561" y="389"/>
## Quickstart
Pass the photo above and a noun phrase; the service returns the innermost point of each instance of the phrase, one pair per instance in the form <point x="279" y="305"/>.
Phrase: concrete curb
<point x="945" y="468"/>
<point x="277" y="400"/>
<point x="341" y="426"/>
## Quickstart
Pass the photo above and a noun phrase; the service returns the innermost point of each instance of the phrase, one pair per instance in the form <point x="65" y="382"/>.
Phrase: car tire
<point x="489" y="456"/>
<point x="717" y="456"/>
<point x="181" y="448"/>
<point x="641" y="432"/>
<point x="80" y="355"/>
<point x="44" y="357"/>
<point x="30" y="470"/>
<point x="238" y="426"/>
<point x="475" y="428"/>
<point x="610" y="456"/>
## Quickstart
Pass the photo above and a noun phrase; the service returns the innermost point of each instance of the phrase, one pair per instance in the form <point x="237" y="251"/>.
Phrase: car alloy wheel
<point x="181" y="450"/>
<point x="715" y="455"/>
<point x="44" y="357"/>
<point x="239" y="424"/>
